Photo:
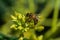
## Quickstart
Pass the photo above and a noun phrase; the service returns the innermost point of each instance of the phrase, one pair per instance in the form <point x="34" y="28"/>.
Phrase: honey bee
<point x="32" y="17"/>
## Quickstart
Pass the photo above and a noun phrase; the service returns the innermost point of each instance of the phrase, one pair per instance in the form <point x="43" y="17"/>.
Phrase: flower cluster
<point x="21" y="24"/>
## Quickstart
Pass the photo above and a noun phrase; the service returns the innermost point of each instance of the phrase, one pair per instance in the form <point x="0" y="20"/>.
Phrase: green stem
<point x="50" y="33"/>
<point x="46" y="11"/>
<point x="48" y="8"/>
<point x="55" y="16"/>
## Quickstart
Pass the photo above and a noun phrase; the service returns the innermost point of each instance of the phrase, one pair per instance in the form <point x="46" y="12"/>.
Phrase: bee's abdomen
<point x="35" y="21"/>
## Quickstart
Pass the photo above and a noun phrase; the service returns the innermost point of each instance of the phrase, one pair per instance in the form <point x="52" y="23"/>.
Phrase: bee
<point x="32" y="17"/>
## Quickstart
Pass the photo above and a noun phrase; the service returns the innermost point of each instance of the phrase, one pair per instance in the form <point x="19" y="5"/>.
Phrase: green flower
<point x="13" y="27"/>
<point x="23" y="25"/>
<point x="20" y="27"/>
<point x="13" y="18"/>
<point x="40" y="37"/>
<point x="21" y="38"/>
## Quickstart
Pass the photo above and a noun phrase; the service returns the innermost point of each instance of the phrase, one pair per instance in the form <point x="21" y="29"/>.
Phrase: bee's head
<point x="28" y="14"/>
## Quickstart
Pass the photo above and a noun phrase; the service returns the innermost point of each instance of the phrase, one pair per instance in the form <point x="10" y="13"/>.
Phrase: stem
<point x="46" y="11"/>
<point x="55" y="16"/>
<point x="50" y="33"/>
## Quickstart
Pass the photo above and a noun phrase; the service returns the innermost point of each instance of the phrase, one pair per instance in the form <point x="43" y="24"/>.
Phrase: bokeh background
<point x="49" y="9"/>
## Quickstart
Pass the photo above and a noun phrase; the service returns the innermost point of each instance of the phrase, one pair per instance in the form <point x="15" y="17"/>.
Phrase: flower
<point x="23" y="27"/>
<point x="26" y="29"/>
<point x="26" y="24"/>
<point x="13" y="27"/>
<point x="40" y="37"/>
<point x="23" y="18"/>
<point x="40" y="28"/>
<point x="13" y="17"/>
<point x="41" y="18"/>
<point x="21" y="38"/>
<point x="18" y="15"/>
<point x="20" y="27"/>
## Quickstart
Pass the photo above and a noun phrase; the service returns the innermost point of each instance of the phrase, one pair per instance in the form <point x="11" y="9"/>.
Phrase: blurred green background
<point x="49" y="9"/>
